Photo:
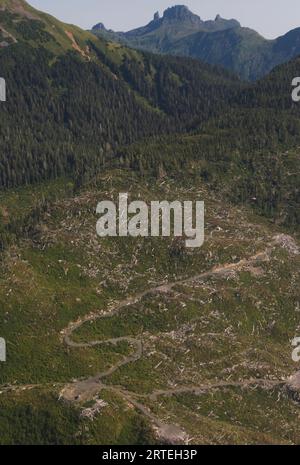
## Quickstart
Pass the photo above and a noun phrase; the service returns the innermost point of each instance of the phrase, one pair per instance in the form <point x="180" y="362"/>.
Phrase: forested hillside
<point x="249" y="152"/>
<point x="66" y="110"/>
<point x="75" y="101"/>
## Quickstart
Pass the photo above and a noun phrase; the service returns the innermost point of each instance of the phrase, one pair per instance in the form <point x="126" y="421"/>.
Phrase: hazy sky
<point x="269" y="17"/>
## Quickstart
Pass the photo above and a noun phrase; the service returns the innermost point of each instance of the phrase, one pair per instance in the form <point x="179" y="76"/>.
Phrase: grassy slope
<point x="59" y="33"/>
<point x="54" y="27"/>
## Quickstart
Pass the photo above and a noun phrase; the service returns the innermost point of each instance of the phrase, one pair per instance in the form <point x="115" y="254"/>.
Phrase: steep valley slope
<point x="140" y="340"/>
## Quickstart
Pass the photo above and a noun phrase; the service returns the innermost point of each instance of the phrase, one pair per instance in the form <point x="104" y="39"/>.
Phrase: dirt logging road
<point x="88" y="389"/>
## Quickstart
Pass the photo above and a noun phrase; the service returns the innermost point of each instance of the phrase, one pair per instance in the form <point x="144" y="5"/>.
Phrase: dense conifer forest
<point x="66" y="116"/>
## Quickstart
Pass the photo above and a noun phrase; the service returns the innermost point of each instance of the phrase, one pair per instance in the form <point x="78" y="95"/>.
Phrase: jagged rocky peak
<point x="156" y="16"/>
<point x="181" y="13"/>
<point x="99" y="27"/>
<point x="226" y="23"/>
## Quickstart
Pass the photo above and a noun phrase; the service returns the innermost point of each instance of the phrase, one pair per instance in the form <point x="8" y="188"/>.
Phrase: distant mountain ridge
<point x="174" y="15"/>
<point x="219" y="42"/>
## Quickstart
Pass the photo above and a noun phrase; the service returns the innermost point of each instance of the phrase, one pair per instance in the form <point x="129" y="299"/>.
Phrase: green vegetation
<point x="86" y="105"/>
<point x="36" y="418"/>
<point x="95" y="327"/>
<point x="241" y="139"/>
<point x="61" y="272"/>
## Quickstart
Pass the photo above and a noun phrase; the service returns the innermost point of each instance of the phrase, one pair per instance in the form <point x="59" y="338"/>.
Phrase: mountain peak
<point x="99" y="27"/>
<point x="180" y="13"/>
<point x="156" y="16"/>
